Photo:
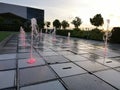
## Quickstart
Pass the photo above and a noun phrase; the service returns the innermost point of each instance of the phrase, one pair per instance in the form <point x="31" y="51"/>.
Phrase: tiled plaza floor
<point x="60" y="65"/>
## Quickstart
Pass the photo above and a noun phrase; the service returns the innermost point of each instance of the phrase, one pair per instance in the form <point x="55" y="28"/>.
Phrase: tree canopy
<point x="57" y="24"/>
<point x="47" y="24"/>
<point x="97" y="20"/>
<point x="64" y="24"/>
<point x="77" y="22"/>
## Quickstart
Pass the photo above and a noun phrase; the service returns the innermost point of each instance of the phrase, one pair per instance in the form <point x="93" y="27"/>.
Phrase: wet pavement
<point x="59" y="65"/>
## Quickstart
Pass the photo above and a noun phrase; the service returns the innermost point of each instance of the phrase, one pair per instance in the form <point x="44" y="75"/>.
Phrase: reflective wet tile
<point x="7" y="56"/>
<point x="109" y="62"/>
<point x="24" y="62"/>
<point x="55" y="59"/>
<point x="12" y="41"/>
<point x="7" y="79"/>
<point x="110" y="76"/>
<point x="65" y="53"/>
<point x="91" y="56"/>
<point x="67" y="69"/>
<point x="77" y="51"/>
<point x="117" y="58"/>
<point x="11" y="45"/>
<point x="86" y="82"/>
<point x="22" y="45"/>
<point x="7" y="51"/>
<point x="53" y="85"/>
<point x="24" y="50"/>
<point x="91" y="66"/>
<point x="9" y="89"/>
<point x="7" y="64"/>
<point x="47" y="53"/>
<point x="14" y="48"/>
<point x="112" y="53"/>
<point x="59" y="49"/>
<point x="117" y="69"/>
<point x="76" y="58"/>
<point x="26" y="55"/>
<point x="35" y="75"/>
<point x="45" y="49"/>
<point x="109" y="53"/>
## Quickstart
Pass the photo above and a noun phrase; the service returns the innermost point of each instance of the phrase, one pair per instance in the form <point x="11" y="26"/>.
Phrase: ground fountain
<point x="106" y="37"/>
<point x="68" y="39"/>
<point x="54" y="35"/>
<point x="40" y="36"/>
<point x="41" y="33"/>
<point x="22" y="37"/>
<point x="34" y="38"/>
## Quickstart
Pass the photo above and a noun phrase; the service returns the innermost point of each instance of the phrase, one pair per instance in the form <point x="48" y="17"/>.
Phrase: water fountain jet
<point x="32" y="60"/>
<point x="106" y="37"/>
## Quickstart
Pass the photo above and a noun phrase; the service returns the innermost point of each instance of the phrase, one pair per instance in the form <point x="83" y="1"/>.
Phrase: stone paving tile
<point x="117" y="69"/>
<point x="110" y="76"/>
<point x="35" y="75"/>
<point x="55" y="59"/>
<point x="11" y="45"/>
<point x="65" y="53"/>
<point x="109" y="62"/>
<point x="9" y="89"/>
<point x="100" y="52"/>
<point x="12" y="41"/>
<point x="24" y="62"/>
<point x="59" y="49"/>
<point x="86" y="82"/>
<point x="26" y="55"/>
<point x="45" y="49"/>
<point x="76" y="58"/>
<point x="13" y="48"/>
<point x="92" y="56"/>
<point x="7" y="56"/>
<point x="47" y="53"/>
<point x="22" y="45"/>
<point x="67" y="69"/>
<point x="24" y="50"/>
<point x="7" y="64"/>
<point x="91" y="66"/>
<point x="59" y="55"/>
<point x="7" y="51"/>
<point x="7" y="79"/>
<point x="78" y="51"/>
<point x="52" y="85"/>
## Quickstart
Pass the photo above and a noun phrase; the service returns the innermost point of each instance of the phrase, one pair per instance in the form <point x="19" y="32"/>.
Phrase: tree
<point x="47" y="24"/>
<point x="57" y="24"/>
<point x="97" y="20"/>
<point x="76" y="22"/>
<point x="115" y="37"/>
<point x="64" y="24"/>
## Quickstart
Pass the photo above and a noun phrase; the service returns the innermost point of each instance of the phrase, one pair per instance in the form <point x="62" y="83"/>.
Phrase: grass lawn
<point x="3" y="35"/>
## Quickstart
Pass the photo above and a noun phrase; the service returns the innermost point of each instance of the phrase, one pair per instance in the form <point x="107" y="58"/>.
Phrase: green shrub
<point x="115" y="38"/>
<point x="96" y="34"/>
<point x="63" y="32"/>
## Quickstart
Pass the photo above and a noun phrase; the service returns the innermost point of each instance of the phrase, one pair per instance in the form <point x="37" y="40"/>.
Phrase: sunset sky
<point x="68" y="9"/>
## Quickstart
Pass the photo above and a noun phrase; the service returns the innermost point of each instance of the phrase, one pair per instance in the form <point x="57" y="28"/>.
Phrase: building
<point x="14" y="16"/>
<point x="22" y="11"/>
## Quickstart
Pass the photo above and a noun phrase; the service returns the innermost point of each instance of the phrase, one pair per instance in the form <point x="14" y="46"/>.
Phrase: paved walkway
<point x="61" y="64"/>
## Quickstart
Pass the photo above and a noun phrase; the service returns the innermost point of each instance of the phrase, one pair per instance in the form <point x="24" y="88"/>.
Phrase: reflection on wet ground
<point x="59" y="65"/>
